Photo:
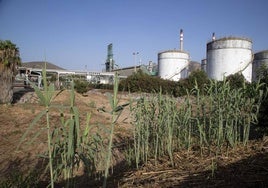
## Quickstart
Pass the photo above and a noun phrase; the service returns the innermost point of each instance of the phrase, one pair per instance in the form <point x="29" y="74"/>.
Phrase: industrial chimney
<point x="181" y="40"/>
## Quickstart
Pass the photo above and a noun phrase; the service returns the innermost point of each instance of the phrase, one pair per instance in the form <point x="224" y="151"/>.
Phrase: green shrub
<point x="100" y="86"/>
<point x="197" y="78"/>
<point x="141" y="82"/>
<point x="236" y="80"/>
<point x="138" y="82"/>
<point x="81" y="86"/>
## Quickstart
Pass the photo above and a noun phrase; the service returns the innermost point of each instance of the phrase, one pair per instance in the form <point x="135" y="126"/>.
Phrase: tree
<point x="9" y="60"/>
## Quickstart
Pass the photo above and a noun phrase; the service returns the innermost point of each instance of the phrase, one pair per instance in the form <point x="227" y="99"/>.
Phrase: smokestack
<point x="213" y="36"/>
<point x="181" y="39"/>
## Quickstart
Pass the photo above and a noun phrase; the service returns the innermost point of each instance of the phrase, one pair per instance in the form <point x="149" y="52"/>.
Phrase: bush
<point x="141" y="82"/>
<point x="101" y="86"/>
<point x="236" y="80"/>
<point x="198" y="77"/>
<point x="81" y="86"/>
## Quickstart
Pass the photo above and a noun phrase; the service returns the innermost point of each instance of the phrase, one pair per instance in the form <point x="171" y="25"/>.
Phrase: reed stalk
<point x="67" y="143"/>
<point x="45" y="100"/>
<point x="115" y="113"/>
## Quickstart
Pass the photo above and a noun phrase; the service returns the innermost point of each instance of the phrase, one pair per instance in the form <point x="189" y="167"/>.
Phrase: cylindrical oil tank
<point x="204" y="65"/>
<point x="173" y="64"/>
<point x="229" y="55"/>
<point x="260" y="59"/>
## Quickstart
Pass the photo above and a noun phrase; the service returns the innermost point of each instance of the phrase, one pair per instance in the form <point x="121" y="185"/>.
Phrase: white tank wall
<point x="173" y="65"/>
<point x="260" y="58"/>
<point x="228" y="56"/>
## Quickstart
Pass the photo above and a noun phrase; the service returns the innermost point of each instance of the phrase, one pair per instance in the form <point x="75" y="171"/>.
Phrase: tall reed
<point x="116" y="111"/>
<point x="153" y="130"/>
<point x="45" y="98"/>
<point x="73" y="145"/>
<point x="222" y="116"/>
<point x="67" y="143"/>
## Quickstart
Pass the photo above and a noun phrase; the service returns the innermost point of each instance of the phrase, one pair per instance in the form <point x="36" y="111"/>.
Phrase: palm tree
<point x="9" y="60"/>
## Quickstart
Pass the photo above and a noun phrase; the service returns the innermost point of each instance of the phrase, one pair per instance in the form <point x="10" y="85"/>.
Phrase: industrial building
<point x="150" y="69"/>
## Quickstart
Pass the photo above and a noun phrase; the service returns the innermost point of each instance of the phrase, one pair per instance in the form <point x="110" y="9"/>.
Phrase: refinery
<point x="224" y="56"/>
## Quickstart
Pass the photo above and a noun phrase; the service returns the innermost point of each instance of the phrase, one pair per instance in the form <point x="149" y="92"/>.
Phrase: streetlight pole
<point x="135" y="53"/>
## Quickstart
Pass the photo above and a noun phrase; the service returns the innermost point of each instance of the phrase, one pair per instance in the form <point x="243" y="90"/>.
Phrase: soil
<point x="244" y="166"/>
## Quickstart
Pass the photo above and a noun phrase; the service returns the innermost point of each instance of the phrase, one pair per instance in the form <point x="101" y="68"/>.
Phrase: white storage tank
<point x="229" y="55"/>
<point x="260" y="59"/>
<point x="173" y="64"/>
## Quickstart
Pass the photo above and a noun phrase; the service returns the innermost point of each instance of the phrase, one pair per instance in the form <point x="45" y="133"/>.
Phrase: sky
<point x="74" y="34"/>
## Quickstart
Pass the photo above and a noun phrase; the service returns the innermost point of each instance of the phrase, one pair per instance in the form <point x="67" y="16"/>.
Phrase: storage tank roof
<point x="173" y="51"/>
<point x="230" y="38"/>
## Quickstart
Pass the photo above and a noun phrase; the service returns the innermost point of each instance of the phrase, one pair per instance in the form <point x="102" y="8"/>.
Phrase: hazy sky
<point x="74" y="34"/>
